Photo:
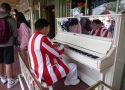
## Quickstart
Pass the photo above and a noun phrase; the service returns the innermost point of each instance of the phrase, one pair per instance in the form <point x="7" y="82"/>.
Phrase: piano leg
<point x="105" y="76"/>
<point x="102" y="78"/>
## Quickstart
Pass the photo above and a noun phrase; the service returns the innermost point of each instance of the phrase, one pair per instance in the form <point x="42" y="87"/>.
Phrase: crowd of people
<point x="45" y="56"/>
<point x="86" y="26"/>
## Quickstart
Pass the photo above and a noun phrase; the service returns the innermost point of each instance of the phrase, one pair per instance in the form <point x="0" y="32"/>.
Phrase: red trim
<point x="63" y="65"/>
<point x="99" y="32"/>
<point x="50" y="45"/>
<point x="106" y="34"/>
<point x="61" y="51"/>
<point x="56" y="71"/>
<point x="46" y="74"/>
<point x="93" y="32"/>
<point x="34" y="56"/>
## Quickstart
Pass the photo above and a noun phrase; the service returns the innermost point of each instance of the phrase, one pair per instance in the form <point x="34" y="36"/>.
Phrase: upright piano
<point x="97" y="58"/>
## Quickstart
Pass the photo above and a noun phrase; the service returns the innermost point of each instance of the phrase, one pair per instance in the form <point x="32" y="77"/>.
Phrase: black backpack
<point x="5" y="31"/>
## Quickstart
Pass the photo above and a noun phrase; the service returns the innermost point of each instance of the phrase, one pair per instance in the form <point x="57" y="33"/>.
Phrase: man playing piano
<point x="99" y="30"/>
<point x="45" y="59"/>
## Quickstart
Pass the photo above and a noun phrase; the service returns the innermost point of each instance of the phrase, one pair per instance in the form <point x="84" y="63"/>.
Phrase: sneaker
<point x="13" y="83"/>
<point x="72" y="82"/>
<point x="4" y="79"/>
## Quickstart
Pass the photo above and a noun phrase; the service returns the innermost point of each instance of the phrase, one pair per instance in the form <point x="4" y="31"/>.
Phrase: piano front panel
<point x="86" y="57"/>
<point x="95" y="44"/>
<point x="82" y="59"/>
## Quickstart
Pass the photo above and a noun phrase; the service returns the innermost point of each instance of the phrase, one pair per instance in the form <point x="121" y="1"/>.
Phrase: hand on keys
<point x="66" y="46"/>
<point x="56" y="44"/>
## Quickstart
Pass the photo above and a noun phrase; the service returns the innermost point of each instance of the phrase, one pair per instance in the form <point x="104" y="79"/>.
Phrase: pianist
<point x="99" y="30"/>
<point x="45" y="60"/>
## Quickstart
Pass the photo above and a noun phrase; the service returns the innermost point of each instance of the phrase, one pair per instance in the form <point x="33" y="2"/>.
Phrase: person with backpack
<point x="24" y="31"/>
<point x="8" y="31"/>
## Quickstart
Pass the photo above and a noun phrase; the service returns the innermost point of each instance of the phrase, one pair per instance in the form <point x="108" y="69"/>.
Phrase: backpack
<point x="5" y="31"/>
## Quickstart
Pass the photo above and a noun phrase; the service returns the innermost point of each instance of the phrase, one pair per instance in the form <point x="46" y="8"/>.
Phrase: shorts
<point x="6" y="55"/>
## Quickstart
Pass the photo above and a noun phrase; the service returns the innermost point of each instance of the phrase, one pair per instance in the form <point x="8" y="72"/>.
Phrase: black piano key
<point x="90" y="55"/>
<point x="57" y="42"/>
<point x="95" y="57"/>
<point x="84" y="53"/>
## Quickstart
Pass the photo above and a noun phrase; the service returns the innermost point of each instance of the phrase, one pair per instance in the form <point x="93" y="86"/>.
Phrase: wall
<point x="123" y="81"/>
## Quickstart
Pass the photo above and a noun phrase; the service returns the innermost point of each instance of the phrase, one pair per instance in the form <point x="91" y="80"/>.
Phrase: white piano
<point x="97" y="58"/>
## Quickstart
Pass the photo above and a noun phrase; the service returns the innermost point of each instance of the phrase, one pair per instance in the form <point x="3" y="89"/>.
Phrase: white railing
<point x="31" y="81"/>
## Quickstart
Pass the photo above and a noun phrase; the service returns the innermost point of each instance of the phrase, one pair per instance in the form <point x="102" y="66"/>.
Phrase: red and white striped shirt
<point x="45" y="59"/>
<point x="103" y="32"/>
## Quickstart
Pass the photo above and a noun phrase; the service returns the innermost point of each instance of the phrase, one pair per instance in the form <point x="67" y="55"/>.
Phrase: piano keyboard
<point x="84" y="53"/>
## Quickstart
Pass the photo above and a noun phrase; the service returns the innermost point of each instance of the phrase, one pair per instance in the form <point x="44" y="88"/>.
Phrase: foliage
<point x="112" y="6"/>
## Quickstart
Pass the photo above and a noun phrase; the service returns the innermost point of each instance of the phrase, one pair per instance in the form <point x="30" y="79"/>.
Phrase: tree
<point x="112" y="6"/>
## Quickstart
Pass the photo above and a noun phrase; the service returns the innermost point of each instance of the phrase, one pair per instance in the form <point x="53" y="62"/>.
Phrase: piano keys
<point x="84" y="53"/>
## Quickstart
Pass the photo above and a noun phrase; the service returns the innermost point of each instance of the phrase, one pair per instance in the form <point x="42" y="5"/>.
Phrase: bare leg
<point x="2" y="77"/>
<point x="9" y="70"/>
<point x="1" y="70"/>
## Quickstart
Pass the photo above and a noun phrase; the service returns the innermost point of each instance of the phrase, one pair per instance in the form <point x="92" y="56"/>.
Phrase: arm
<point x="25" y="36"/>
<point x="50" y="49"/>
<point x="13" y="26"/>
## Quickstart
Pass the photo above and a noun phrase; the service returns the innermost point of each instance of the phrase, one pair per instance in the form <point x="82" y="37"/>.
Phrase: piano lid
<point x="92" y="43"/>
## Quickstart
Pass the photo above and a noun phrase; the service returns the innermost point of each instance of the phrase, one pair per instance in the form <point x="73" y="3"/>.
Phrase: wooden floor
<point x="60" y="86"/>
<point x="57" y="86"/>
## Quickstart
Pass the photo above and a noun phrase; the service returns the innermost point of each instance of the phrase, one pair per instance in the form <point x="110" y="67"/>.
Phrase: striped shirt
<point x="45" y="59"/>
<point x="103" y="32"/>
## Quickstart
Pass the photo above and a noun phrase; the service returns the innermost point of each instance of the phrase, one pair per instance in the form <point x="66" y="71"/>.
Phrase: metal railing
<point x="100" y="85"/>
